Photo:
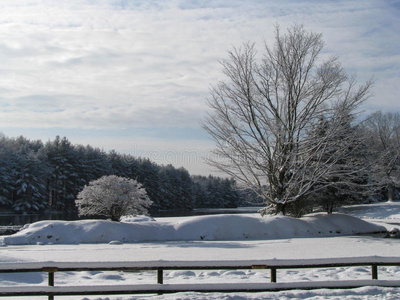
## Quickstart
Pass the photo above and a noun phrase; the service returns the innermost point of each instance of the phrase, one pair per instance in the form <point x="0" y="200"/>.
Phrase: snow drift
<point x="212" y="228"/>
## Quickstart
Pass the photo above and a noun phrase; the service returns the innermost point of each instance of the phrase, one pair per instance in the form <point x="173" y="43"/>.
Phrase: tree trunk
<point x="281" y="208"/>
<point x="329" y="206"/>
<point x="390" y="193"/>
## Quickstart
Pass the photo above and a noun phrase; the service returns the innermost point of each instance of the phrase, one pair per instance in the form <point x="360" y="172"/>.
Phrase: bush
<point x="113" y="197"/>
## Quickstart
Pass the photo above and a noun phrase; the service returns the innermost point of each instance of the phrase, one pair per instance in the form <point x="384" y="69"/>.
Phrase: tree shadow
<point x="371" y="239"/>
<point x="18" y="278"/>
<point x="221" y="244"/>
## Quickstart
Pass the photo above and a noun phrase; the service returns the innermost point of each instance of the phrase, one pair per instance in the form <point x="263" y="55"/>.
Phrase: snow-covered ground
<point x="212" y="238"/>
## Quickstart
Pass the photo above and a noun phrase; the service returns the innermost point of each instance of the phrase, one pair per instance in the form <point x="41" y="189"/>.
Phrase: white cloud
<point x="128" y="64"/>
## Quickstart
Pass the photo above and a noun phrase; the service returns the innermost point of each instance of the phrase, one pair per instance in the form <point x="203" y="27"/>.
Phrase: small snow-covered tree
<point x="113" y="197"/>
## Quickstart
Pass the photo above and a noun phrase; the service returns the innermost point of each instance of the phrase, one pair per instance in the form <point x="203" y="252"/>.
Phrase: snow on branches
<point x="264" y="111"/>
<point x="113" y="197"/>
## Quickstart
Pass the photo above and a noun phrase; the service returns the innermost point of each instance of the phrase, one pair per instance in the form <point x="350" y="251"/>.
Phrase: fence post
<point x="374" y="269"/>
<point x="51" y="278"/>
<point x="273" y="274"/>
<point x="51" y="283"/>
<point x="160" y="277"/>
<point x="50" y="271"/>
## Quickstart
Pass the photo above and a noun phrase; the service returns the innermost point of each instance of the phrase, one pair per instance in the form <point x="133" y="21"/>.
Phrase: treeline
<point x="35" y="176"/>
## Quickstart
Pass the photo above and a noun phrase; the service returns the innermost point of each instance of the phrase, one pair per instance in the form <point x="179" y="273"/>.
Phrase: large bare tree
<point x="265" y="113"/>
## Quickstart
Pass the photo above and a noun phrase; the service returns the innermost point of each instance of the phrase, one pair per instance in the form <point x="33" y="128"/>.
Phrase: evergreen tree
<point x="7" y="165"/>
<point x="34" y="177"/>
<point x="62" y="174"/>
<point x="29" y="189"/>
<point x="98" y="163"/>
<point x="176" y="188"/>
<point x="119" y="164"/>
<point x="215" y="192"/>
<point x="148" y="175"/>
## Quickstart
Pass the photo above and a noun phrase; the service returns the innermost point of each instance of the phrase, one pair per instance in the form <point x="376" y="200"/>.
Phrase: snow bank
<point x="381" y="210"/>
<point x="131" y="219"/>
<point x="212" y="228"/>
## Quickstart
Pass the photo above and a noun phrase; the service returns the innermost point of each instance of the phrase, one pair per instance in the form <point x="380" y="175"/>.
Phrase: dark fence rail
<point x="159" y="266"/>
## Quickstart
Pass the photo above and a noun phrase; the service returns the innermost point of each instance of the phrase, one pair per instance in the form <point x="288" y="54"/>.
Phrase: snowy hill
<point x="211" y="228"/>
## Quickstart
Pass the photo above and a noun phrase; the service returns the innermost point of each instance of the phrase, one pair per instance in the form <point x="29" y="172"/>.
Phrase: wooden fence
<point x="51" y="268"/>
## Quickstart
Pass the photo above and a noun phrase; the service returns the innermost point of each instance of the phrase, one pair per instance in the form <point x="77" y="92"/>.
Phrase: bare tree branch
<point x="264" y="113"/>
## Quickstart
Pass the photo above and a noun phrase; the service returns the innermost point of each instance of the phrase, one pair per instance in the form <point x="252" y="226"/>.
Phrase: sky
<point x="134" y="76"/>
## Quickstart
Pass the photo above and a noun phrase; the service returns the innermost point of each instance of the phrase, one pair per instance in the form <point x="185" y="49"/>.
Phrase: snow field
<point x="314" y="237"/>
